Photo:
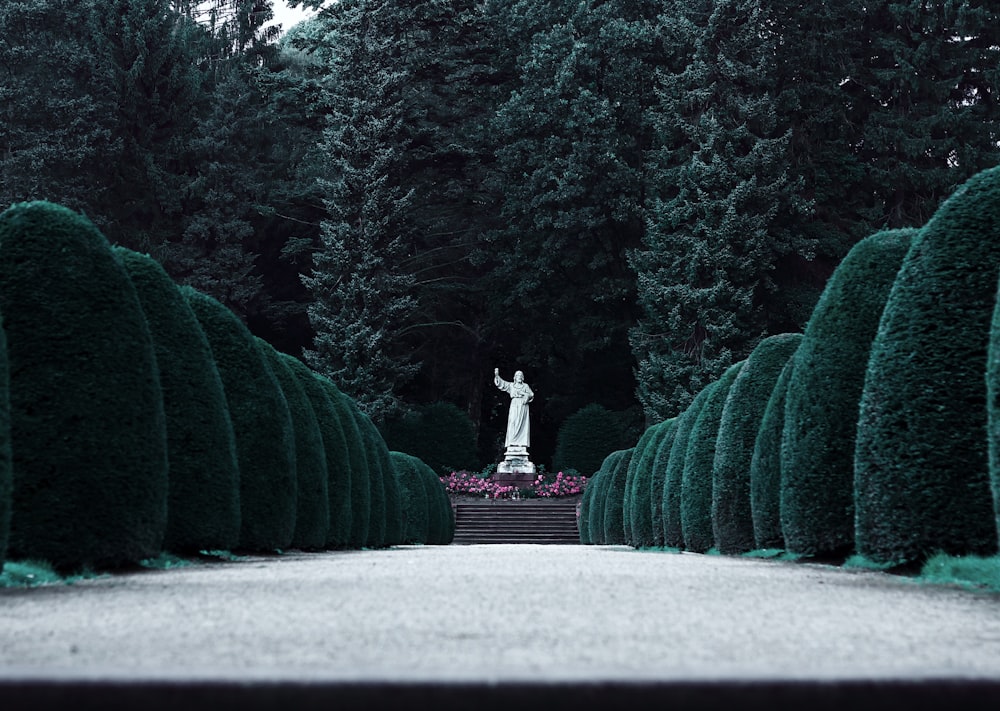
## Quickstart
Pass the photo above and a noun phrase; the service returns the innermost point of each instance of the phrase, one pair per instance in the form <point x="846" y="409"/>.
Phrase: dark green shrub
<point x="359" y="487"/>
<point x="441" y="528"/>
<point x="262" y="424"/>
<point x="203" y="511"/>
<point x="342" y="446"/>
<point x="385" y="503"/>
<point x="993" y="408"/>
<point x="696" y="481"/>
<point x="6" y="473"/>
<point x="89" y="455"/>
<point x="639" y="510"/>
<point x="921" y="457"/>
<point x="732" y="516"/>
<point x="599" y="485"/>
<point x="312" y="503"/>
<point x="614" y="497"/>
<point x="765" y="466"/>
<point x="636" y="473"/>
<point x="586" y="437"/>
<point x="414" y="501"/>
<point x="583" y="511"/>
<point x="659" y="479"/>
<point x="821" y="412"/>
<point x="673" y="530"/>
<point x="440" y="434"/>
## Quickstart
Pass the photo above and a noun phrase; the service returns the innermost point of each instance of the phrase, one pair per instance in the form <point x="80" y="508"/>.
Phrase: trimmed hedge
<point x="6" y="471"/>
<point x="585" y="438"/>
<point x="440" y="434"/>
<point x="821" y="412"/>
<point x="639" y="509"/>
<point x="312" y="504"/>
<point x="636" y="478"/>
<point x="673" y="530"/>
<point x="414" y="500"/>
<point x="90" y="461"/>
<point x="341" y="444"/>
<point x="614" y="498"/>
<point x="658" y="480"/>
<point x="600" y="483"/>
<point x="351" y="500"/>
<point x="262" y="424"/>
<point x="993" y="408"/>
<point x="584" y="508"/>
<point x="765" y="466"/>
<point x="696" y="481"/>
<point x="203" y="511"/>
<point x="732" y="516"/>
<point x="921" y="458"/>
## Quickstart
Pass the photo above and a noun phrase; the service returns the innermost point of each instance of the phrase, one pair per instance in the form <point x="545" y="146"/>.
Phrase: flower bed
<point x="474" y="484"/>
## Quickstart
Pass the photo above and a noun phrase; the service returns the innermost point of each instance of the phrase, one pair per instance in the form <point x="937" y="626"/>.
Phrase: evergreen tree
<point x="921" y="455"/>
<point x="88" y="432"/>
<point x="439" y="434"/>
<point x="203" y="511"/>
<point x="821" y="409"/>
<point x="713" y="241"/>
<point x="586" y="437"/>
<point x="732" y="512"/>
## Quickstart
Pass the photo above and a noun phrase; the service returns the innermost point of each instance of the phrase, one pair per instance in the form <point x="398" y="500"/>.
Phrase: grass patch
<point x="771" y="554"/>
<point x="973" y="572"/>
<point x="164" y="561"/>
<point x="28" y="574"/>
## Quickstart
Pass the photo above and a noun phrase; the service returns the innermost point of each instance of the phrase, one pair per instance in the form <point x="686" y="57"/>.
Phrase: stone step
<point x="516" y="522"/>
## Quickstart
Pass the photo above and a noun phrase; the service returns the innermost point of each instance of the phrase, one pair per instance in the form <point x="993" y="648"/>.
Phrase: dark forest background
<point x="619" y="198"/>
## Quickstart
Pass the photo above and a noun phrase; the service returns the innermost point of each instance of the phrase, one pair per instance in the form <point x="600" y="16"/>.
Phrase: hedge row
<point x="876" y="432"/>
<point x="139" y="417"/>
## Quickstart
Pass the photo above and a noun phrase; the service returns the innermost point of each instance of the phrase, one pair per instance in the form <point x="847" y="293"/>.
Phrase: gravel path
<point x="501" y="614"/>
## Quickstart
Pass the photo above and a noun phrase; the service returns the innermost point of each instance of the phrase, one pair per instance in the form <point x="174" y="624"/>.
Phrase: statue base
<point x="516" y="467"/>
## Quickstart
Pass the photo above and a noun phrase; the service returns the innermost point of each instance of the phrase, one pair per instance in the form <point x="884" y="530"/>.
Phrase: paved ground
<point x="478" y="622"/>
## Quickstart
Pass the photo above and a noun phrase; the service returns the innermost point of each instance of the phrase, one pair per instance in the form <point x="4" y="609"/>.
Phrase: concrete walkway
<point x="494" y="625"/>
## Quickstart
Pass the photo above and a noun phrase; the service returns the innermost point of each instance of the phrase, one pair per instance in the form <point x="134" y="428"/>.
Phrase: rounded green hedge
<point x="600" y="483"/>
<point x="993" y="408"/>
<point x="353" y="498"/>
<point x="765" y="466"/>
<point x="696" y="481"/>
<point x="385" y="503"/>
<point x="414" y="501"/>
<point x="657" y="480"/>
<point x="673" y="530"/>
<point x="732" y="515"/>
<point x="341" y="445"/>
<point x="262" y="424"/>
<point x="440" y="434"/>
<point x="89" y="455"/>
<point x="817" y="491"/>
<point x="203" y="510"/>
<point x="640" y="509"/>
<point x="6" y="472"/>
<point x="583" y="510"/>
<point x="585" y="438"/>
<point x="614" y="498"/>
<point x="312" y="504"/>
<point x="921" y="457"/>
<point x="636" y="479"/>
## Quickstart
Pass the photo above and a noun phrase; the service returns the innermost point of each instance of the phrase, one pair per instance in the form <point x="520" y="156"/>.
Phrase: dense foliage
<point x="621" y="199"/>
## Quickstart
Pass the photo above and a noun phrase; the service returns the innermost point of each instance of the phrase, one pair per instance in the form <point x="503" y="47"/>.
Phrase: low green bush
<point x="203" y="510"/>
<point x="586" y="437"/>
<point x="414" y="501"/>
<point x="262" y="424"/>
<point x="732" y="515"/>
<point x="765" y="466"/>
<point x="821" y="412"/>
<point x="699" y="459"/>
<point x="673" y="529"/>
<point x="89" y="455"/>
<point x="637" y="478"/>
<point x="921" y="457"/>
<point x="658" y="480"/>
<point x="614" y="498"/>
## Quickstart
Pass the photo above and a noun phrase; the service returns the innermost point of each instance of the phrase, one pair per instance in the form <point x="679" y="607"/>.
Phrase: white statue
<point x="518" y="425"/>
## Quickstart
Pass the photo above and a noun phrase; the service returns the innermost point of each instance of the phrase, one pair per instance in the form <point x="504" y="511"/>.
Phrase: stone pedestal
<point x="516" y="467"/>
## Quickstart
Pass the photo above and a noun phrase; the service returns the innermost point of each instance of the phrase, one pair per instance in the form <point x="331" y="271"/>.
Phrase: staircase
<point x="526" y="521"/>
